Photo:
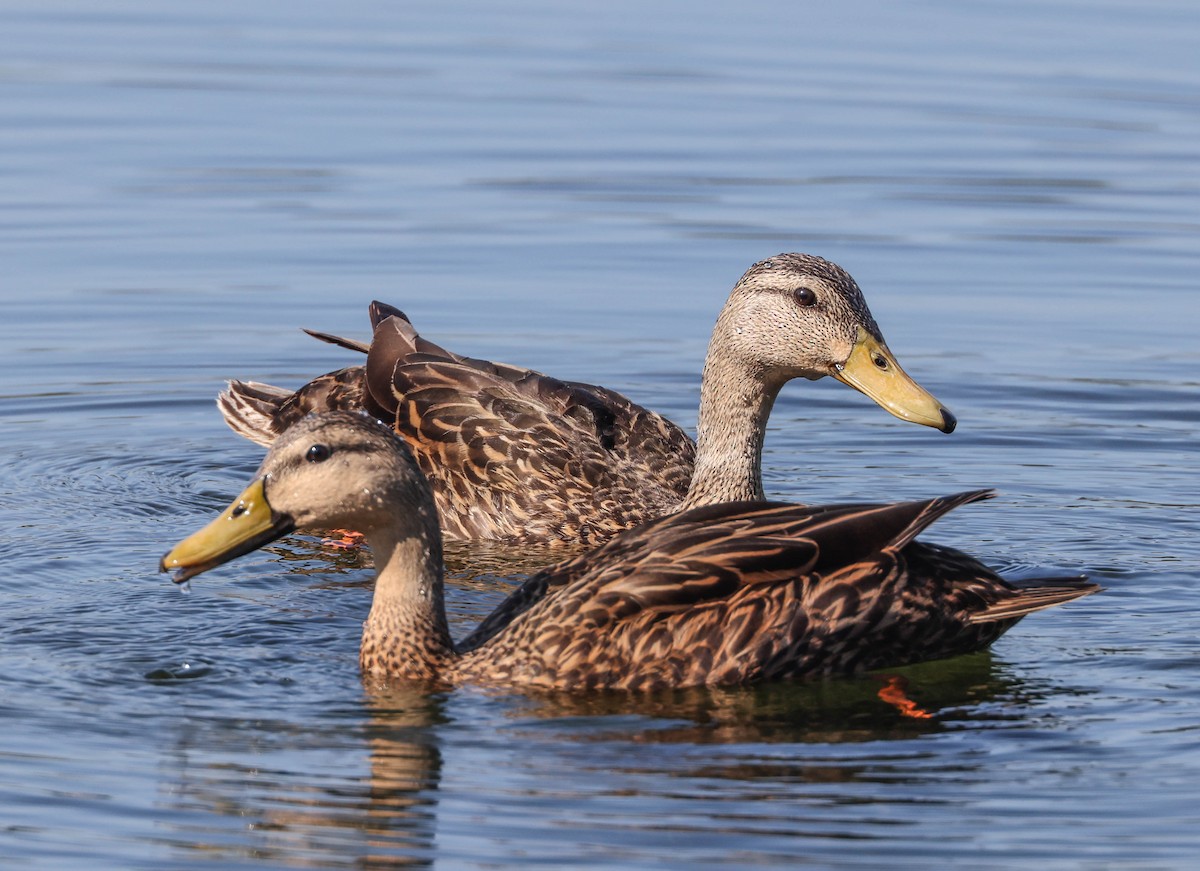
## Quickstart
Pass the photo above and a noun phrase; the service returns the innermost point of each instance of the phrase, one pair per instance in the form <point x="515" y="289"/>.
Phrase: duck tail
<point x="340" y="341"/>
<point x="250" y="408"/>
<point x="1036" y="594"/>
<point x="378" y="311"/>
<point x="381" y="311"/>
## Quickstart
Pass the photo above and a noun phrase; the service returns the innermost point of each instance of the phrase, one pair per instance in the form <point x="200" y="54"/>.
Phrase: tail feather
<point x="1036" y="594"/>
<point x="379" y="311"/>
<point x="340" y="341"/>
<point x="260" y="412"/>
<point x="249" y="407"/>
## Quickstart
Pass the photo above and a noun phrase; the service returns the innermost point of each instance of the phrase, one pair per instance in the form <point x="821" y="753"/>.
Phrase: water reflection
<point x="405" y="768"/>
<point x="188" y="185"/>
<point x="361" y="787"/>
<point x="380" y="815"/>
<point x="835" y="711"/>
<point x="477" y="565"/>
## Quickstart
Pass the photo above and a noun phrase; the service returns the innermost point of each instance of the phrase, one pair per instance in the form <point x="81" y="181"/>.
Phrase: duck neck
<point x="735" y="402"/>
<point x="406" y="634"/>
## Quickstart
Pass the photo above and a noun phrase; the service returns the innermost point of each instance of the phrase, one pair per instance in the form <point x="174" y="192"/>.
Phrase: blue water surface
<point x="184" y="186"/>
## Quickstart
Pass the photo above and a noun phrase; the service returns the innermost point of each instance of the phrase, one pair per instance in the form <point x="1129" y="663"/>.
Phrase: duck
<point x="723" y="594"/>
<point x="521" y="457"/>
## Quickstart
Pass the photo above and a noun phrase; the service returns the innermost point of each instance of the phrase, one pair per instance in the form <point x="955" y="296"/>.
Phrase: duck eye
<point x="804" y="296"/>
<point x="318" y="454"/>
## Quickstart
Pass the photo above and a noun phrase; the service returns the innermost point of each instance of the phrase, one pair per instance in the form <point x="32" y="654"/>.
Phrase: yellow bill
<point x="246" y="525"/>
<point x="873" y="370"/>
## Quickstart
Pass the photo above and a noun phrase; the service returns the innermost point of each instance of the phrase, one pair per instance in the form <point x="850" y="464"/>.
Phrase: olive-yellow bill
<point x="244" y="526"/>
<point x="872" y="369"/>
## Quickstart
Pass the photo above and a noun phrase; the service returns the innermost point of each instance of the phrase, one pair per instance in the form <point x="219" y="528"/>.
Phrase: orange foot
<point x="345" y="539"/>
<point x="893" y="693"/>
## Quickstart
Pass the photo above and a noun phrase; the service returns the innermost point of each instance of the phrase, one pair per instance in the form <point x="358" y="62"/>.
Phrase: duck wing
<point x="520" y="456"/>
<point x="746" y="591"/>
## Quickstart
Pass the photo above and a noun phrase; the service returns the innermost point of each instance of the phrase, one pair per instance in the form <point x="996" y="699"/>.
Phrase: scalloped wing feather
<point x="728" y="594"/>
<point x="512" y="454"/>
<point x="520" y="456"/>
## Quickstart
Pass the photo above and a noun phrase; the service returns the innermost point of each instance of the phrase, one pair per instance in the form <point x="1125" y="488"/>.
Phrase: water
<point x="183" y="187"/>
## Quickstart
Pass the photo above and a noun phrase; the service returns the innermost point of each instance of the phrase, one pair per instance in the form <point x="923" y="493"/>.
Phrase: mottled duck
<point x="514" y="455"/>
<point x="720" y="594"/>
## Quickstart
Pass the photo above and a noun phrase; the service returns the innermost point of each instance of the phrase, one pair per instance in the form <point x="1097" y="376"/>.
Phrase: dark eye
<point x="318" y="454"/>
<point x="804" y="296"/>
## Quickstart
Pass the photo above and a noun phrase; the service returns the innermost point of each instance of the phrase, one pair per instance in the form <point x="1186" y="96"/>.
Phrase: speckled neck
<point x="406" y="634"/>
<point x="735" y="402"/>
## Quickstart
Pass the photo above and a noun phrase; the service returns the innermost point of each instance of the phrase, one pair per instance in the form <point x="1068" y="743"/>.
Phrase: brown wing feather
<point x="516" y="455"/>
<point x="745" y="591"/>
<point x="512" y="454"/>
<point x="729" y="531"/>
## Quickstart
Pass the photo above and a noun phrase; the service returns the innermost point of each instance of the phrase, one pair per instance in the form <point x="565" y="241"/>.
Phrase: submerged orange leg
<point x="893" y="692"/>
<point x="346" y="539"/>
